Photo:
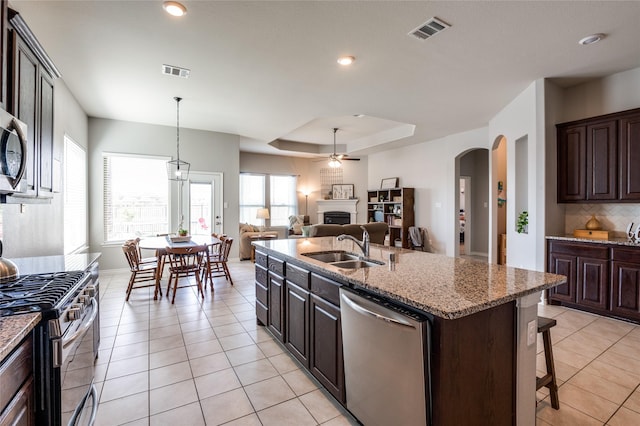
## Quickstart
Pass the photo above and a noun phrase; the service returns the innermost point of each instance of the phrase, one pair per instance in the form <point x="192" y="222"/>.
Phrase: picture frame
<point x="342" y="191"/>
<point x="389" y="183"/>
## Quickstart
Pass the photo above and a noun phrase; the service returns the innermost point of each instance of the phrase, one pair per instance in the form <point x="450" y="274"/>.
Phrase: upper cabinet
<point x="30" y="97"/>
<point x="596" y="158"/>
<point x="629" y="127"/>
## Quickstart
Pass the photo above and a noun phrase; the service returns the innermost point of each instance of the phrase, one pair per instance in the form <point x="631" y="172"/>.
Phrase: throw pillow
<point x="295" y="223"/>
<point x="245" y="227"/>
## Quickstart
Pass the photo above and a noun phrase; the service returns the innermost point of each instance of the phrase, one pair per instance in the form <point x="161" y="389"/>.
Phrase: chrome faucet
<point x="364" y="245"/>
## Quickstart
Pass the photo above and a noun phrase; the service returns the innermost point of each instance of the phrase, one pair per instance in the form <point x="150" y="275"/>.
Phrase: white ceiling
<point x="267" y="70"/>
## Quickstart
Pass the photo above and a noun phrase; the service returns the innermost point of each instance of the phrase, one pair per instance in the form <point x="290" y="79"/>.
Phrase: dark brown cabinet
<point x="296" y="317"/>
<point x="297" y="322"/>
<point x="17" y="391"/>
<point x="630" y="157"/>
<point x="262" y="294"/>
<point x="24" y="104"/>
<point x="601" y="166"/>
<point x="326" y="363"/>
<point x="593" y="277"/>
<point x="31" y="99"/>
<point x="301" y="309"/>
<point x="587" y="270"/>
<point x="601" y="278"/>
<point x="572" y="163"/>
<point x="563" y="264"/>
<point x="276" y="306"/>
<point x="597" y="158"/>
<point x="625" y="283"/>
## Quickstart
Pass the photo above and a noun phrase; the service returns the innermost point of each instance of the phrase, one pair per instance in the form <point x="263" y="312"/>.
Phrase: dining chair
<point x="216" y="265"/>
<point x="185" y="262"/>
<point x="140" y="271"/>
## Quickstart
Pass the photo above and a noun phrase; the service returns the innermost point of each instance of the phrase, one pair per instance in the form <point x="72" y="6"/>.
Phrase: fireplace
<point x="340" y="206"/>
<point x="340" y="218"/>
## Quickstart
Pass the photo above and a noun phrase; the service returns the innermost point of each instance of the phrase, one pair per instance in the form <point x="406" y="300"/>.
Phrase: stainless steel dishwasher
<point x="386" y="360"/>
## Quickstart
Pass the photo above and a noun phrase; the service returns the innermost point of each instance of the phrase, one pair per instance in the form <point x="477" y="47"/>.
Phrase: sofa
<point x="376" y="230"/>
<point x="246" y="232"/>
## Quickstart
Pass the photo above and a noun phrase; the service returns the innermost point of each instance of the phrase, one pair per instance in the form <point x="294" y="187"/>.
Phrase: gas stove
<point x="47" y="293"/>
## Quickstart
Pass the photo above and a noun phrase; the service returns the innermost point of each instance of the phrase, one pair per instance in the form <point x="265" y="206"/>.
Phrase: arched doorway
<point x="472" y="204"/>
<point x="499" y="195"/>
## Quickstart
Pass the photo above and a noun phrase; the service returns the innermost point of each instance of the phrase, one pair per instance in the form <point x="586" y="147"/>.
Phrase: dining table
<point x="160" y="243"/>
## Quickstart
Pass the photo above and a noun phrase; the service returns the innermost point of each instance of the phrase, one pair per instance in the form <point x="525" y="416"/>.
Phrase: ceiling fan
<point x="335" y="160"/>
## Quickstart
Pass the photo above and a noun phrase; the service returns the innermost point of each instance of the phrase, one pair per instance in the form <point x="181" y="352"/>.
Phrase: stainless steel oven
<point x="74" y="355"/>
<point x="66" y="341"/>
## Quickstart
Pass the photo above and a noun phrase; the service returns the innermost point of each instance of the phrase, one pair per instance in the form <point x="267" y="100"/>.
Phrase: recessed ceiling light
<point x="358" y="115"/>
<point x="591" y="39"/>
<point x="346" y="60"/>
<point x="174" y="8"/>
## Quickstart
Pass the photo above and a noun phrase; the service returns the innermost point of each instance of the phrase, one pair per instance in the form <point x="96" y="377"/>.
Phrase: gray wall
<point x="38" y="231"/>
<point x="206" y="151"/>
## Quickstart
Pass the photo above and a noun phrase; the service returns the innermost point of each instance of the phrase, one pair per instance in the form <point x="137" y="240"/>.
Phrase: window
<point x="75" y="196"/>
<point x="252" y="197"/>
<point x="284" y="200"/>
<point x="136" y="196"/>
<point x="277" y="193"/>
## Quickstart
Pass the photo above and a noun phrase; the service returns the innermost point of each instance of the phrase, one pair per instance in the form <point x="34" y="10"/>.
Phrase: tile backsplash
<point x="613" y="217"/>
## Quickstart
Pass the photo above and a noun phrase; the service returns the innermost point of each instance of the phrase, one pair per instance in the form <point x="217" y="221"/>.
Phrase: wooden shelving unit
<point x="395" y="207"/>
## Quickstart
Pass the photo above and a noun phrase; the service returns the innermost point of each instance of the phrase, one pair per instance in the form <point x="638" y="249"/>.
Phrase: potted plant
<point x="521" y="224"/>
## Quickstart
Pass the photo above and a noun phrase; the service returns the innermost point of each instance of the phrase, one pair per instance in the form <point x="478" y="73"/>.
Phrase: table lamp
<point x="262" y="214"/>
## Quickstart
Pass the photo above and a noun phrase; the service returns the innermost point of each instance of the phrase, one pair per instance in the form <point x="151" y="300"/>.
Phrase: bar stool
<point x="549" y="379"/>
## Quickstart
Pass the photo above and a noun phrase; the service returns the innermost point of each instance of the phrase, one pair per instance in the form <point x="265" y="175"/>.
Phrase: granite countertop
<point x="13" y="329"/>
<point x="443" y="286"/>
<point x="619" y="241"/>
<point x="49" y="264"/>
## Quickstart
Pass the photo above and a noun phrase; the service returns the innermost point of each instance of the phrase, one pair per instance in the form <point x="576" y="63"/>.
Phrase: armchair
<point x="246" y="231"/>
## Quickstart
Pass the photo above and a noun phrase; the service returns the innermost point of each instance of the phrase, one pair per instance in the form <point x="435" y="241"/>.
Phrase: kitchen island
<point x="482" y="366"/>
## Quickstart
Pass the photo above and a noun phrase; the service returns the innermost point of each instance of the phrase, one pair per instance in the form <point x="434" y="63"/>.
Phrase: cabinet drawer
<point x="626" y="254"/>
<point x="298" y="276"/>
<point x="326" y="288"/>
<point x="262" y="312"/>
<point x="15" y="370"/>
<point x="261" y="275"/>
<point x="261" y="258"/>
<point x="594" y="251"/>
<point x="276" y="265"/>
<point x="262" y="293"/>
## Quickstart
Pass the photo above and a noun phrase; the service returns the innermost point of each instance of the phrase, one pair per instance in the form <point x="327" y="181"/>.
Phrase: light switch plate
<point x="531" y="332"/>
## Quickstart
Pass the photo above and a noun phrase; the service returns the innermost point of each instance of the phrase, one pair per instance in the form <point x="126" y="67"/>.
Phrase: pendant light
<point x="177" y="169"/>
<point x="334" y="162"/>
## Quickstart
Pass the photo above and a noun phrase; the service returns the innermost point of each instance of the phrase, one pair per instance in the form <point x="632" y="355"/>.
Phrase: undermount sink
<point x="355" y="264"/>
<point x="332" y="256"/>
<point x="343" y="259"/>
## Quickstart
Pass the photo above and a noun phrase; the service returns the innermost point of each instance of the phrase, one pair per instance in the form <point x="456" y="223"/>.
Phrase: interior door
<point x="202" y="202"/>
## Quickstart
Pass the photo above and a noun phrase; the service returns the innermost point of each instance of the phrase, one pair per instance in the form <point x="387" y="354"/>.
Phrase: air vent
<point x="175" y="71"/>
<point x="430" y="28"/>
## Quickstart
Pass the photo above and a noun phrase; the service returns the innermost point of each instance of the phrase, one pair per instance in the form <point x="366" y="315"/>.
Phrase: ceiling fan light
<point x="334" y="163"/>
<point x="174" y="8"/>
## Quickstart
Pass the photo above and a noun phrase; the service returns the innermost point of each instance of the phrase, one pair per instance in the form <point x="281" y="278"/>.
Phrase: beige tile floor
<point x="597" y="363"/>
<point x="196" y="363"/>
